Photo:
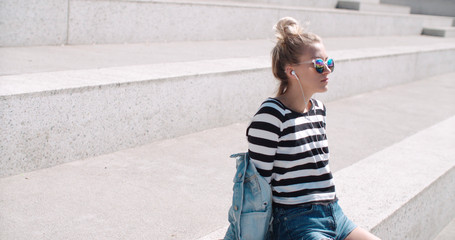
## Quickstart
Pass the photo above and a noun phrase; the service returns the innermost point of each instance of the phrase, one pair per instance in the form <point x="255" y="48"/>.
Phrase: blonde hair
<point x="292" y="41"/>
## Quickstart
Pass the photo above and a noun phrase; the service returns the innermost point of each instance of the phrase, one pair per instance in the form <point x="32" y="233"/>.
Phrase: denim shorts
<point x="311" y="222"/>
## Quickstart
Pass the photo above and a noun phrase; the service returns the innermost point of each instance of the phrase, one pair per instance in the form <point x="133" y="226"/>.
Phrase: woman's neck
<point x="295" y="101"/>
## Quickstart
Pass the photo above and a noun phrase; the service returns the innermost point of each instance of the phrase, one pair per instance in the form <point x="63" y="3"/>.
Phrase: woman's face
<point x="312" y="81"/>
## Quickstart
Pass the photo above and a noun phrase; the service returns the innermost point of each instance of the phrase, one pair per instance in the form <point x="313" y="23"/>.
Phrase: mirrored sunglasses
<point x="319" y="64"/>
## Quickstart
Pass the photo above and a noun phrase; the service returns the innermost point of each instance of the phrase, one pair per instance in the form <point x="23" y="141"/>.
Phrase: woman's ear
<point x="289" y="70"/>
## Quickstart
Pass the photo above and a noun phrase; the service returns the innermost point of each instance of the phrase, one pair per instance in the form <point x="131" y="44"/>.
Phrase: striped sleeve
<point x="263" y="134"/>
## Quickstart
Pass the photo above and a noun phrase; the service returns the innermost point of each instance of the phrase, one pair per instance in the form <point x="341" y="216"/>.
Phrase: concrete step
<point x="103" y="22"/>
<point x="439" y="31"/>
<point x="181" y="188"/>
<point x="401" y="192"/>
<point x="373" y="7"/>
<point x="56" y="117"/>
<point x="36" y="59"/>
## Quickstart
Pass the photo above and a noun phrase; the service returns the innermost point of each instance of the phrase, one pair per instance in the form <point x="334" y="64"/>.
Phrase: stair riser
<point x="25" y="23"/>
<point x="49" y="128"/>
<point x="103" y="22"/>
<point x="425" y="215"/>
<point x="232" y="22"/>
<point x="46" y="129"/>
<point x="439" y="32"/>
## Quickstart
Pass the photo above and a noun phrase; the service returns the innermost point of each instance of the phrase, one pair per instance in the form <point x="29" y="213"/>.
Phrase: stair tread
<point x="154" y="189"/>
<point x="32" y="69"/>
<point x="22" y="60"/>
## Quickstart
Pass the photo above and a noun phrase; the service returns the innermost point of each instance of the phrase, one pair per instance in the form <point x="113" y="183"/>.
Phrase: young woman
<point x="288" y="143"/>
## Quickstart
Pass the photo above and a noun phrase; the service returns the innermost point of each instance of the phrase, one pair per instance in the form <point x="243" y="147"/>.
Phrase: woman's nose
<point x="326" y="69"/>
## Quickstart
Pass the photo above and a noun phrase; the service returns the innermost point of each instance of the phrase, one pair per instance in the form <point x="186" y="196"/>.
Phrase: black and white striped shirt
<point x="290" y="150"/>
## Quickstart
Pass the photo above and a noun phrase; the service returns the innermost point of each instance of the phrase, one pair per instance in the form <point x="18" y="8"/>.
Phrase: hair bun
<point x="286" y="28"/>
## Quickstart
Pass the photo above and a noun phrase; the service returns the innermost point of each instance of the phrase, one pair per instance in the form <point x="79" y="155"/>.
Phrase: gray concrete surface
<point x="448" y="233"/>
<point x="181" y="188"/>
<point x="23" y="60"/>
<point x="33" y="22"/>
<point x="369" y="122"/>
<point x="98" y="111"/>
<point x="404" y="191"/>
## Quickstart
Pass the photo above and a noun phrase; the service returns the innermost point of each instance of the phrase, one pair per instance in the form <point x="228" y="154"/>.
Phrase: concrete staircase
<point x="124" y="131"/>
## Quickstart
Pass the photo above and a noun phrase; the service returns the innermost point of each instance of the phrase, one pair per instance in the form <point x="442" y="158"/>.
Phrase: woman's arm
<point x="263" y="135"/>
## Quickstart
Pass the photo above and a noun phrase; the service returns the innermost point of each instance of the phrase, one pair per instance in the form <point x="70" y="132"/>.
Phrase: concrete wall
<point x="433" y="7"/>
<point x="33" y="22"/>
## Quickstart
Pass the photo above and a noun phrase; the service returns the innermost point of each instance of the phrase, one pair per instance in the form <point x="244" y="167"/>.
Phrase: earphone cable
<point x="324" y="135"/>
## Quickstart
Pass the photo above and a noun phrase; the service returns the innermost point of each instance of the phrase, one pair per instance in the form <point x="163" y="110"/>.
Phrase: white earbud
<point x="295" y="75"/>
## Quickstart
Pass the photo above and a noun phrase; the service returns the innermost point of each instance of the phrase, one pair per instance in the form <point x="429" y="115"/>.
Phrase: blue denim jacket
<point x="251" y="212"/>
